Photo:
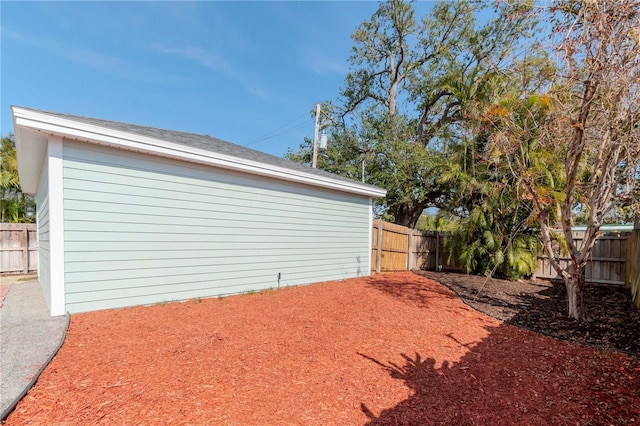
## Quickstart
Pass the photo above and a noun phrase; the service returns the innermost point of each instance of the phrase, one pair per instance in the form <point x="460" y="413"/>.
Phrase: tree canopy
<point x="410" y="92"/>
<point x="516" y="130"/>
<point x="14" y="205"/>
<point x="575" y="145"/>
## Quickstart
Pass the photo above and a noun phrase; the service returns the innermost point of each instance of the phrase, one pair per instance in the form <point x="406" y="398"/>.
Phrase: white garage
<point x="131" y="215"/>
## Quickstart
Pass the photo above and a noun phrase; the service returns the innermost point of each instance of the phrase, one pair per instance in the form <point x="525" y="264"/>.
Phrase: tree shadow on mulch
<point x="495" y="384"/>
<point x="613" y="322"/>
<point x="514" y="376"/>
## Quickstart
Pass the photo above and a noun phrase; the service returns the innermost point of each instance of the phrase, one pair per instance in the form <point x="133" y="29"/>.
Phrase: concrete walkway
<point x="29" y="337"/>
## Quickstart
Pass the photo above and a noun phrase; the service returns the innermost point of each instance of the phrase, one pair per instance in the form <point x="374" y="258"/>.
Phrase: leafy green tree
<point x="15" y="206"/>
<point x="439" y="222"/>
<point x="405" y="99"/>
<point x="496" y="238"/>
<point x="575" y="148"/>
<point x="496" y="234"/>
<point x="343" y="153"/>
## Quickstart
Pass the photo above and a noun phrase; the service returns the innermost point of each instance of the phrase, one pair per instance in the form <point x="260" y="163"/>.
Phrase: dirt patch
<point x="613" y="322"/>
<point x="384" y="350"/>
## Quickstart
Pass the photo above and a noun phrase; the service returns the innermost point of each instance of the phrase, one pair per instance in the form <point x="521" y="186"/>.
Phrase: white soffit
<point x="31" y="146"/>
<point x="33" y="127"/>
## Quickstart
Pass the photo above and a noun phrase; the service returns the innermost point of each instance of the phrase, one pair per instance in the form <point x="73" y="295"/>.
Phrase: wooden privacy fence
<point x="606" y="265"/>
<point x="633" y="264"/>
<point x="398" y="248"/>
<point x="389" y="249"/>
<point x="18" y="248"/>
<point x="615" y="258"/>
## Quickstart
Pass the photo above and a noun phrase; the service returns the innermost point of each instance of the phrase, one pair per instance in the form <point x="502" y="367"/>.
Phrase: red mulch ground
<point x="383" y="350"/>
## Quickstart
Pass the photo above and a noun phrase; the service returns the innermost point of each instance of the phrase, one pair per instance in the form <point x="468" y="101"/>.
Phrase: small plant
<point x="196" y="300"/>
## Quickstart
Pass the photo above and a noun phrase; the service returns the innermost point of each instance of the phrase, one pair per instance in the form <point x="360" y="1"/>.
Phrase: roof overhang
<point x="31" y="147"/>
<point x="33" y="128"/>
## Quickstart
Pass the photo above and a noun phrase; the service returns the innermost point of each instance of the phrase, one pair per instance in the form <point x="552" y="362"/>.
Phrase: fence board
<point x="633" y="266"/>
<point x="428" y="252"/>
<point x="18" y="248"/>
<point x="606" y="265"/>
<point x="423" y="250"/>
<point x="390" y="247"/>
<point x="396" y="248"/>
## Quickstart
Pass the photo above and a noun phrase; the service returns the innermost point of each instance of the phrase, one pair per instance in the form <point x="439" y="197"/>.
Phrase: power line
<point x="281" y="130"/>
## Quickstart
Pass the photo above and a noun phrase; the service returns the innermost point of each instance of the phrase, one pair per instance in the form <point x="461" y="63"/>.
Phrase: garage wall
<point x="142" y="229"/>
<point x="42" y="223"/>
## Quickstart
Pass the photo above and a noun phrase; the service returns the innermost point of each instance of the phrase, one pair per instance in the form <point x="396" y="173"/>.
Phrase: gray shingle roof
<point x="204" y="142"/>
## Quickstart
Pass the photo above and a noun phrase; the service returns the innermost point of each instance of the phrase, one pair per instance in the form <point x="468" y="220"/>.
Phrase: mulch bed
<point x="613" y="322"/>
<point x="383" y="350"/>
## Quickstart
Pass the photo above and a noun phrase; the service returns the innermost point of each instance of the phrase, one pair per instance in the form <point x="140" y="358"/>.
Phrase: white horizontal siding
<point x="141" y="229"/>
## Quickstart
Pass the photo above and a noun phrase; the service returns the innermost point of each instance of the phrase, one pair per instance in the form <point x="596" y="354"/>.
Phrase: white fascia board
<point x="131" y="141"/>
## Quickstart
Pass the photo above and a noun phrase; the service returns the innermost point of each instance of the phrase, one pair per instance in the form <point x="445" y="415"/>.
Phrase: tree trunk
<point x="406" y="215"/>
<point x="403" y="217"/>
<point x="575" y="294"/>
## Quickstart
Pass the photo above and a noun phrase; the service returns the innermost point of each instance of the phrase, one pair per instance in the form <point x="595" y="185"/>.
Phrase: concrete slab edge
<point x="33" y="381"/>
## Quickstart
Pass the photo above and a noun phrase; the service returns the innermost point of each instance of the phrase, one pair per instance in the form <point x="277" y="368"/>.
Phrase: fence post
<point x="379" y="250"/>
<point x="437" y="265"/>
<point x="627" y="264"/>
<point x="409" y="254"/>
<point x="24" y="243"/>
<point x="632" y="259"/>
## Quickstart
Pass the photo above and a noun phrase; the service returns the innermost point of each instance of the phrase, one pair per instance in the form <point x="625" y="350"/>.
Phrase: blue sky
<point x="238" y="71"/>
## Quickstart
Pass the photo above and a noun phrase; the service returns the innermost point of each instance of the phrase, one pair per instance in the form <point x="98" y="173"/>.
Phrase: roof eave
<point x="47" y="124"/>
<point x="30" y="152"/>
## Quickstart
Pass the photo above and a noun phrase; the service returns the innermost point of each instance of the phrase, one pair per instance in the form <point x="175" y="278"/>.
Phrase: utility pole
<point x="314" y="163"/>
<point x="364" y="151"/>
